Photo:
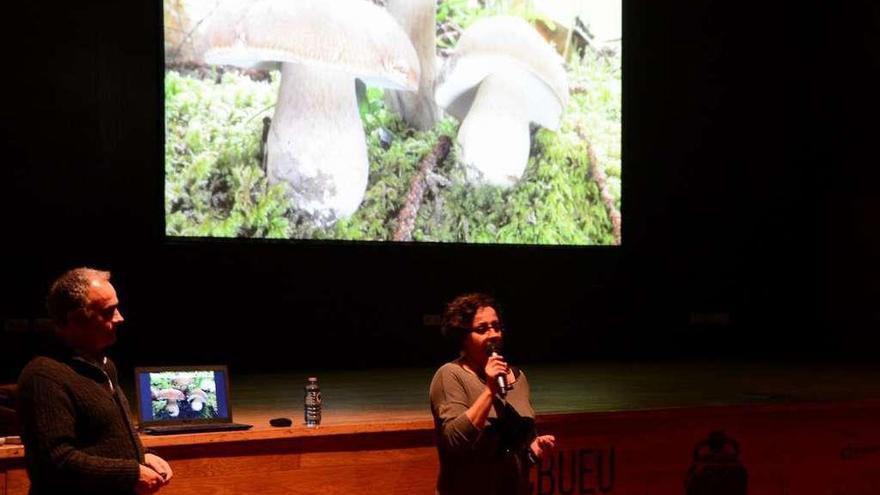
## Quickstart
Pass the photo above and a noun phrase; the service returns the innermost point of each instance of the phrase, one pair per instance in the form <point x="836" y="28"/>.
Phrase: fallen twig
<point x="598" y="173"/>
<point x="406" y="219"/>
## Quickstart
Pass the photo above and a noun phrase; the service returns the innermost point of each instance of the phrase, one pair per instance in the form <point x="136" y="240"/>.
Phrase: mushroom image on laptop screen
<point x="183" y="395"/>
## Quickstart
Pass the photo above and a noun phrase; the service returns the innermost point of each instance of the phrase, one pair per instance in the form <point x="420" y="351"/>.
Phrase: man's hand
<point x="160" y="466"/>
<point x="542" y="445"/>
<point x="149" y="481"/>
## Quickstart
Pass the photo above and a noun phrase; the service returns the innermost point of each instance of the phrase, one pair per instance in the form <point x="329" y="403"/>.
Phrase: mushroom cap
<point x="170" y="394"/>
<point x="352" y="36"/>
<point x="510" y="45"/>
<point x="196" y="395"/>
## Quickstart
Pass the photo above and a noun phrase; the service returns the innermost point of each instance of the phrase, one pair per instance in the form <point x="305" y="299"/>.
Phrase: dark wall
<point x="750" y="207"/>
<point x="845" y="105"/>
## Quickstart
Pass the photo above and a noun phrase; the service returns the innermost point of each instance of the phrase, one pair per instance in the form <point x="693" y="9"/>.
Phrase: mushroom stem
<point x="316" y="143"/>
<point x="494" y="137"/>
<point x="418" y="19"/>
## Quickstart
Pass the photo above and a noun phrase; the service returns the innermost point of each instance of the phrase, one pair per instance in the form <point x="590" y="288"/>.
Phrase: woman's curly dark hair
<point x="459" y="315"/>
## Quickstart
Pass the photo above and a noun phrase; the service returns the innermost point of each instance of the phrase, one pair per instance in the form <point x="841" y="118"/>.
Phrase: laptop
<point x="184" y="399"/>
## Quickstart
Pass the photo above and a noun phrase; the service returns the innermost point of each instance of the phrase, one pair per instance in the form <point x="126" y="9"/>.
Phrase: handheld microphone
<point x="492" y="350"/>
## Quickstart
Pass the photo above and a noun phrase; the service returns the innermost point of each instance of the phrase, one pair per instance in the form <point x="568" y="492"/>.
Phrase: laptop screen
<point x="183" y="394"/>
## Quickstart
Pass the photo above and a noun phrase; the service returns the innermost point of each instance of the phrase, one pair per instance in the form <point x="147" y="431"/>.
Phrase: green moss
<point x="214" y="185"/>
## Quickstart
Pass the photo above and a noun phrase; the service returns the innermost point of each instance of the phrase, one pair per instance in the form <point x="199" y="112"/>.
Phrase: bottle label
<point x="312" y="406"/>
<point x="313" y="398"/>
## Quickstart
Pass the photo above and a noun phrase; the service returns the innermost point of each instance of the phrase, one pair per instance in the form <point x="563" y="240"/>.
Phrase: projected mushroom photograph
<point x="183" y="395"/>
<point x="465" y="121"/>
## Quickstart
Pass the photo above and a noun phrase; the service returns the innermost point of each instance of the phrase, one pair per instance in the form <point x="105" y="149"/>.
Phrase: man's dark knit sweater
<point x="76" y="427"/>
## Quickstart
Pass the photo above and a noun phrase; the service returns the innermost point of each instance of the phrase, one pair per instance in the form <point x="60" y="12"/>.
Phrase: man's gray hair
<point x="70" y="292"/>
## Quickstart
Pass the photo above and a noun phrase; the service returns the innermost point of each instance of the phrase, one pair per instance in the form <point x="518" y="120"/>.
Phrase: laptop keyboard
<point x="194" y="428"/>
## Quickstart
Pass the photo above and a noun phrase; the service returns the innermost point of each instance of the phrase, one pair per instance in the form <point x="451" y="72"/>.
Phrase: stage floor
<point x="395" y="395"/>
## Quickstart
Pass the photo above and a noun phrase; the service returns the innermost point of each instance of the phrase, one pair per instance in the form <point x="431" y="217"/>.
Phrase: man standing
<point x="74" y="418"/>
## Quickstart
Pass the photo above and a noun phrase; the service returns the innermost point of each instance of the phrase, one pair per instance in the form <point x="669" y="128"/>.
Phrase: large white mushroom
<point x="501" y="77"/>
<point x="316" y="142"/>
<point x="197" y="399"/>
<point x="171" y="396"/>
<point x="418" y="19"/>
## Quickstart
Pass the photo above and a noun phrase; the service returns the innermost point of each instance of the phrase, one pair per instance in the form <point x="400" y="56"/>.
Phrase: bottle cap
<point x="313" y="378"/>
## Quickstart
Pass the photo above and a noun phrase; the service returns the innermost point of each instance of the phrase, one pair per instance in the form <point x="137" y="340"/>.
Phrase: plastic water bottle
<point x="312" y="404"/>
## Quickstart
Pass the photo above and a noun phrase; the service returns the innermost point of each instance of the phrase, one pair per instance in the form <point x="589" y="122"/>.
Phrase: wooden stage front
<point x="622" y="429"/>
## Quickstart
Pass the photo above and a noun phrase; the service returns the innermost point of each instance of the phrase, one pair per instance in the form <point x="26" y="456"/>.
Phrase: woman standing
<point x="485" y="427"/>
